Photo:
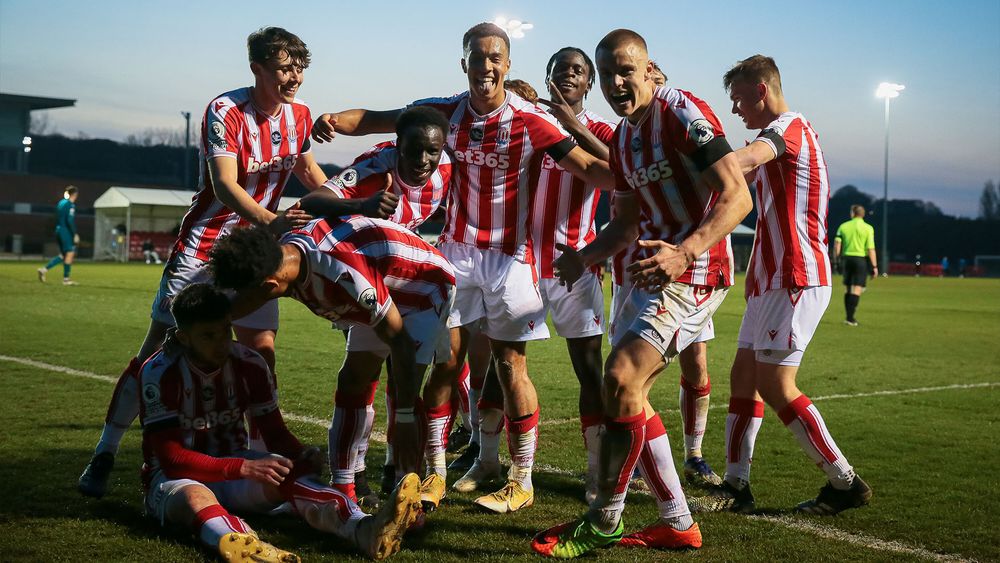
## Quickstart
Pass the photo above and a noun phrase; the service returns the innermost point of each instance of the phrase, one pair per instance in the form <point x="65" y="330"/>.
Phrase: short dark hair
<point x="521" y="88"/>
<point x="421" y="116"/>
<point x="620" y="37"/>
<point x="591" y="72"/>
<point x="857" y="211"/>
<point x="485" y="29"/>
<point x="244" y="258"/>
<point x="268" y="42"/>
<point x="70" y="190"/>
<point x="199" y="303"/>
<point x="757" y="69"/>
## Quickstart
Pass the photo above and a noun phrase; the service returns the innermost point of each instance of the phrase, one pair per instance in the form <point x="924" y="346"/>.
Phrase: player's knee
<point x="620" y="380"/>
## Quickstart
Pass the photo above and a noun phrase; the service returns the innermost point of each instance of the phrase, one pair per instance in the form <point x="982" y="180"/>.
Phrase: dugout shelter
<point x="124" y="217"/>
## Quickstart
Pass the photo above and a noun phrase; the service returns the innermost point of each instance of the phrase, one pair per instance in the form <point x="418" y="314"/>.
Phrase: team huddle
<point x="518" y="180"/>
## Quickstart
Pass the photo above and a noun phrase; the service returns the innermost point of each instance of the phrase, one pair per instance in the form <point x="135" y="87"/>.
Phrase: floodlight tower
<point x="887" y="91"/>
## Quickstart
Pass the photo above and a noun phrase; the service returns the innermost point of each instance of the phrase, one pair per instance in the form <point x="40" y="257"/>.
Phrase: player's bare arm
<point x="354" y="122"/>
<point x="406" y="436"/>
<point x="613" y="238"/>
<point x="325" y="203"/>
<point x="757" y="153"/>
<point x="561" y="110"/>
<point x="733" y="205"/>
<point x="224" y="181"/>
<point x="308" y="172"/>
<point x="588" y="167"/>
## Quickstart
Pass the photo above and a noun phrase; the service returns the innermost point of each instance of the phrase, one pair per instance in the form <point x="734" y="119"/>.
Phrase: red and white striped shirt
<point x="356" y="267"/>
<point x="790" y="247"/>
<point x="208" y="409"/>
<point x="655" y="160"/>
<point x="565" y="205"/>
<point x="366" y="176"/>
<point x="265" y="148"/>
<point x="488" y="206"/>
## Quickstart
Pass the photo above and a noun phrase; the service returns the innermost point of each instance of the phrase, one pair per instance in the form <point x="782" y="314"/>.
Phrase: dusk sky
<point x="135" y="65"/>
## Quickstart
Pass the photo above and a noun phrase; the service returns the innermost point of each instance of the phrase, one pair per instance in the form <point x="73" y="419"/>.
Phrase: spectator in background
<point x="149" y="252"/>
<point x="961" y="267"/>
<point x="944" y="266"/>
<point x="66" y="236"/>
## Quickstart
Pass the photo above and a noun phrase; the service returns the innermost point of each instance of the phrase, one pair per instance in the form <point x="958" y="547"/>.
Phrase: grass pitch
<point x="930" y="454"/>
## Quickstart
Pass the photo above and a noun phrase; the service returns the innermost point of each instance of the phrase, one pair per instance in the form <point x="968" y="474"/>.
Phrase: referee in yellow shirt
<point x="854" y="245"/>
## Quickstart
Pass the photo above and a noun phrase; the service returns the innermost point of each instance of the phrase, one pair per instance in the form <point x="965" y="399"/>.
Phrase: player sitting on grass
<point x="389" y="287"/>
<point x="195" y="393"/>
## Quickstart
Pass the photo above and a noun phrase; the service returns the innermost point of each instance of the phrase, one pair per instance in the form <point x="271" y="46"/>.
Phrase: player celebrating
<point x="66" y="236"/>
<point x="494" y="135"/>
<point x="696" y="385"/>
<point x="390" y="288"/>
<point x="253" y="139"/>
<point x="563" y="215"/>
<point x="678" y="187"/>
<point x="195" y="392"/>
<point x="405" y="182"/>
<point x="788" y="289"/>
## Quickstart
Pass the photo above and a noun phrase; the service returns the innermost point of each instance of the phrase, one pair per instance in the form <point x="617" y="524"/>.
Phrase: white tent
<point x="152" y="213"/>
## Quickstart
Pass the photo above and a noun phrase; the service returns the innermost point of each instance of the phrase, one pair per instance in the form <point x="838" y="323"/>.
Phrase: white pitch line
<point x="826" y="532"/>
<point x="858" y="539"/>
<point x="886" y="392"/>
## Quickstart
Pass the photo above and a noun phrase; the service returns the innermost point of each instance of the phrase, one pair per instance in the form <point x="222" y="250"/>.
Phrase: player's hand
<point x="323" y="129"/>
<point x="292" y="218"/>
<point x="382" y="204"/>
<point x="666" y="265"/>
<point x="559" y="107"/>
<point x="874" y="272"/>
<point x="313" y="458"/>
<point x="76" y="239"/>
<point x="271" y="470"/>
<point x="569" y="266"/>
<point x="407" y="446"/>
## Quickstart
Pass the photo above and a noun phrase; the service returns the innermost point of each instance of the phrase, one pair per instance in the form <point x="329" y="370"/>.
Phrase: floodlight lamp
<point x="889" y="90"/>
<point x="514" y="28"/>
<point x="26" y="141"/>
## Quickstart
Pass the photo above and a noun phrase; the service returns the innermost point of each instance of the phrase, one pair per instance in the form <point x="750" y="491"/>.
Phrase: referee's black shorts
<point x="855" y="270"/>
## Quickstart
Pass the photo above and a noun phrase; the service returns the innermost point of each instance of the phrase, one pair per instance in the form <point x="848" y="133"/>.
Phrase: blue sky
<point x="133" y="65"/>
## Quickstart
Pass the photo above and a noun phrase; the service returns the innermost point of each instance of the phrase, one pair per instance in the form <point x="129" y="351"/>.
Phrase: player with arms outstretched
<point x="677" y="188"/>
<point x="788" y="289"/>
<point x="195" y="394"/>
<point x="494" y="135"/>
<point x="253" y="140"/>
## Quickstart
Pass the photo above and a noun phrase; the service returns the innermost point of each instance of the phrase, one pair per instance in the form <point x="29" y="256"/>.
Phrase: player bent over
<point x="788" y="289"/>
<point x="195" y="393"/>
<point x="404" y="181"/>
<point x="386" y="285"/>
<point x="679" y="189"/>
<point x="253" y="140"/>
